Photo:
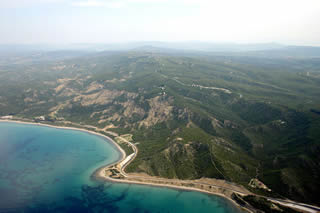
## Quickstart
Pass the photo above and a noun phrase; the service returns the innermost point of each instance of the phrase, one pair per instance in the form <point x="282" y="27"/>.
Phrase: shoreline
<point x="120" y="150"/>
<point x="181" y="188"/>
<point x="99" y="172"/>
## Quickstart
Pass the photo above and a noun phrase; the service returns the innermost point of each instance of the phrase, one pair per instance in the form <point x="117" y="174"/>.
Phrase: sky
<point x="295" y="22"/>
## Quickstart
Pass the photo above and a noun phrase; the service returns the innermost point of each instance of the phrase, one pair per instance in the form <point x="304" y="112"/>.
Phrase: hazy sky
<point x="106" y="21"/>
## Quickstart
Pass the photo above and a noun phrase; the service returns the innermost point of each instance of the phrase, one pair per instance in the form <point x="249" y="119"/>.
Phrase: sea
<point x="46" y="169"/>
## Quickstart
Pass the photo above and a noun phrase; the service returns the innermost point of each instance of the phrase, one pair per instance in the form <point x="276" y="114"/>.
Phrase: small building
<point x="7" y="117"/>
<point x="40" y="118"/>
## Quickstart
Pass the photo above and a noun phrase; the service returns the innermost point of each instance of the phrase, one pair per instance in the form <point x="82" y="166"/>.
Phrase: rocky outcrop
<point x="160" y="110"/>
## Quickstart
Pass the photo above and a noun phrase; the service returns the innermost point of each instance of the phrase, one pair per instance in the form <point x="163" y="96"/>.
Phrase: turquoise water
<point x="45" y="169"/>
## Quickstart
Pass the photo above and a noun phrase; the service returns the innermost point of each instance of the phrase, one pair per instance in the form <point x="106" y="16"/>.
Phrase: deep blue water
<point x="45" y="169"/>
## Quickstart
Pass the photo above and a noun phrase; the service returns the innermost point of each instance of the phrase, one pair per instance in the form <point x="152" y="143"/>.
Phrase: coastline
<point x="100" y="172"/>
<point x="182" y="188"/>
<point x="76" y="129"/>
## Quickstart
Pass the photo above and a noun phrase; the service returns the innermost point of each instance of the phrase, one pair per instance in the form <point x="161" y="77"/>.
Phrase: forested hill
<point x="227" y="116"/>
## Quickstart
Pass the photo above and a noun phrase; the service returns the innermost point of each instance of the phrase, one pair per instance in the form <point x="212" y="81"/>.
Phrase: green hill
<point x="192" y="115"/>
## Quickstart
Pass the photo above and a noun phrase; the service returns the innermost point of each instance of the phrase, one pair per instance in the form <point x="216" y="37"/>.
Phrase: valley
<point x="191" y="116"/>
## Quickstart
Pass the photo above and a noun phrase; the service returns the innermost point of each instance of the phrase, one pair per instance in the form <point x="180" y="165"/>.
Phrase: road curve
<point x="293" y="204"/>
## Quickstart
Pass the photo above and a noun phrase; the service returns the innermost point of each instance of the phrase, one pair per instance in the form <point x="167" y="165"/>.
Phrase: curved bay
<point x="44" y="169"/>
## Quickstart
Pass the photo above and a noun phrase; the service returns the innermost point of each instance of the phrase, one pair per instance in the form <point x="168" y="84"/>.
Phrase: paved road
<point x="302" y="206"/>
<point x="135" y="150"/>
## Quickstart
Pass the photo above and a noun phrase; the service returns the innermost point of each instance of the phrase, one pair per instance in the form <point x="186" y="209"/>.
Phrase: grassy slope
<point x="265" y="123"/>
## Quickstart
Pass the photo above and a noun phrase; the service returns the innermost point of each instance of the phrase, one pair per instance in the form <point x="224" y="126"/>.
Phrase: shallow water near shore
<point x="44" y="169"/>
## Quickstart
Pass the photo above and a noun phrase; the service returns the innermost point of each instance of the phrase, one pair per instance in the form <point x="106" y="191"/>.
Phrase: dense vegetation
<point x="265" y="205"/>
<point x="194" y="115"/>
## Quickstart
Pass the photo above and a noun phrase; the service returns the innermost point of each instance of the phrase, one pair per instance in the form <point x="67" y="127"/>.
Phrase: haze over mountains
<point x="226" y="93"/>
<point x="191" y="45"/>
<point x="233" y="115"/>
<point x="254" y="50"/>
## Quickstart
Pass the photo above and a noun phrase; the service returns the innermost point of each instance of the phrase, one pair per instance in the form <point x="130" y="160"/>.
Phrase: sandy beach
<point x="101" y="175"/>
<point x="100" y="172"/>
<point x="207" y="185"/>
<point x="71" y="128"/>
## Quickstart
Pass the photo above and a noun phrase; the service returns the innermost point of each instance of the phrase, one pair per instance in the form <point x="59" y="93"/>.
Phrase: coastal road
<point x="302" y="206"/>
<point x="135" y="152"/>
<point x="292" y="204"/>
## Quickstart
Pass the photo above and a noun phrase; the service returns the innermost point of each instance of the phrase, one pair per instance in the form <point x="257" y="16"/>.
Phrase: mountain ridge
<point x="179" y="111"/>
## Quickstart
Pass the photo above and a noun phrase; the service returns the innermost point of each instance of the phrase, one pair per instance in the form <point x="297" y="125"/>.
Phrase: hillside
<point x="195" y="115"/>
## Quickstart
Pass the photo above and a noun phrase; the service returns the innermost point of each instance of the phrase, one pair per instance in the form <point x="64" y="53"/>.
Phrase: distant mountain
<point x="235" y="118"/>
<point x="251" y="50"/>
<point x="290" y="51"/>
<point x="269" y="50"/>
<point x="192" y="45"/>
<point x="218" y="47"/>
<point x="198" y="46"/>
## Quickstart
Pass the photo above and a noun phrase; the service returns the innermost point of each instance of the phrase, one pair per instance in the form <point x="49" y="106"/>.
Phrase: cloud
<point x="149" y="1"/>
<point x="25" y="3"/>
<point x="122" y="3"/>
<point x="75" y="3"/>
<point x="99" y="3"/>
